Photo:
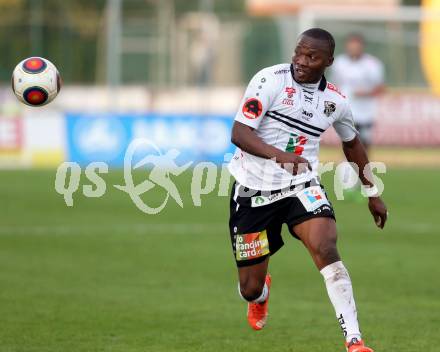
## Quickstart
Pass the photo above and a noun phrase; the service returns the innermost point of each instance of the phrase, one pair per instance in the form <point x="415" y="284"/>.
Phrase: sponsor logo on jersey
<point x="296" y="144"/>
<point x="284" y="71"/>
<point x="290" y="91"/>
<point x="335" y="89"/>
<point x="308" y="95"/>
<point x="251" y="245"/>
<point x="329" y="108"/>
<point x="288" y="101"/>
<point x="307" y="115"/>
<point x="252" y="108"/>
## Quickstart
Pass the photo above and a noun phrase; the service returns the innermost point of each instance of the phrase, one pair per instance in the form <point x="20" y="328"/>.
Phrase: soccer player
<point x="361" y="77"/>
<point x="277" y="130"/>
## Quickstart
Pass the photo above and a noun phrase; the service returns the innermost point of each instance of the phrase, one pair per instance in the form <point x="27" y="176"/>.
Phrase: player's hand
<point x="379" y="211"/>
<point x="293" y="163"/>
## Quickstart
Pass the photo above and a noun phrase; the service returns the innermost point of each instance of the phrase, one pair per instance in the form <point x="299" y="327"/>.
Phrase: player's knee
<point x="327" y="252"/>
<point x="250" y="291"/>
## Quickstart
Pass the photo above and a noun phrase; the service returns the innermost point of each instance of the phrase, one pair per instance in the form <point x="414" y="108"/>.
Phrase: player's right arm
<point x="244" y="137"/>
<point x="258" y="98"/>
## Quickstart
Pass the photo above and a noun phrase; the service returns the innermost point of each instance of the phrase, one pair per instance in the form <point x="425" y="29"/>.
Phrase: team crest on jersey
<point x="329" y="108"/>
<point x="252" y="108"/>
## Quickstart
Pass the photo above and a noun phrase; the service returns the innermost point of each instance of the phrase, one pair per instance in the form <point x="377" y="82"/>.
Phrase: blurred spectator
<point x="361" y="77"/>
<point x="201" y="59"/>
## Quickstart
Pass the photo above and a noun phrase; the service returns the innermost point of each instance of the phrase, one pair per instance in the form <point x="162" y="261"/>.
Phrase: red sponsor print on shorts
<point x="252" y="108"/>
<point x="251" y="245"/>
<point x="313" y="195"/>
<point x="332" y="87"/>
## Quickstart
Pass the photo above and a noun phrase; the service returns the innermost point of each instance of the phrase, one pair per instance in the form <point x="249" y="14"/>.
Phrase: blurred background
<point x="103" y="276"/>
<point x="189" y="59"/>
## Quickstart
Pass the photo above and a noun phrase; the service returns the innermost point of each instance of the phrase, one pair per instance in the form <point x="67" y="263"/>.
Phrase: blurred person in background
<point x="360" y="76"/>
<point x="201" y="59"/>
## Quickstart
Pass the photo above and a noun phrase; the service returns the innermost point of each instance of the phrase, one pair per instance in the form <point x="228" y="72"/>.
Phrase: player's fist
<point x="379" y="211"/>
<point x="293" y="163"/>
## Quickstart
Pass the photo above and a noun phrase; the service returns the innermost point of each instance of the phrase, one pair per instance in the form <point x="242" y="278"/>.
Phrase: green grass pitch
<point x="102" y="276"/>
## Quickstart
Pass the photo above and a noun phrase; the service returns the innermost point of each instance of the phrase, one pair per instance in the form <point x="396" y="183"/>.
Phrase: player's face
<point x="310" y="59"/>
<point x="354" y="47"/>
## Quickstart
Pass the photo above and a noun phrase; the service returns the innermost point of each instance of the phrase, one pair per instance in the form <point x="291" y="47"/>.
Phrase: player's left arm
<point x="355" y="153"/>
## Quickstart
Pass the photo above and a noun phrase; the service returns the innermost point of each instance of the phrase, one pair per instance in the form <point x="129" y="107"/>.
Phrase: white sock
<point x="340" y="291"/>
<point x="260" y="299"/>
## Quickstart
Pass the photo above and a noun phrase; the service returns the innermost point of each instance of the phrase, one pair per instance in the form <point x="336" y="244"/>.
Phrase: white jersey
<point x="291" y="117"/>
<point x="365" y="73"/>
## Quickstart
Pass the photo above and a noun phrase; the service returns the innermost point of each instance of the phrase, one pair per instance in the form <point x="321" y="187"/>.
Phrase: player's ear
<point x="330" y="61"/>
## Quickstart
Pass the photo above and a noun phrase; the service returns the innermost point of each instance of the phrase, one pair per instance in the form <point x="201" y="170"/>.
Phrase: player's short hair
<point x="355" y="36"/>
<point x="321" y="34"/>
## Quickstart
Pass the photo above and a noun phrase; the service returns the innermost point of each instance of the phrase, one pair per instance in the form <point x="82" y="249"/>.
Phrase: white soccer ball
<point x="36" y="81"/>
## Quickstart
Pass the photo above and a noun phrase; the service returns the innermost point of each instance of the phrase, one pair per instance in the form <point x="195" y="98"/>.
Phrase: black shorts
<point x="256" y="217"/>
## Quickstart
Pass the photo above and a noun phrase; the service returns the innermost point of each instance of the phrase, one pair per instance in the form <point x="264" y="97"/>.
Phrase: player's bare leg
<point x="319" y="236"/>
<point x="254" y="286"/>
